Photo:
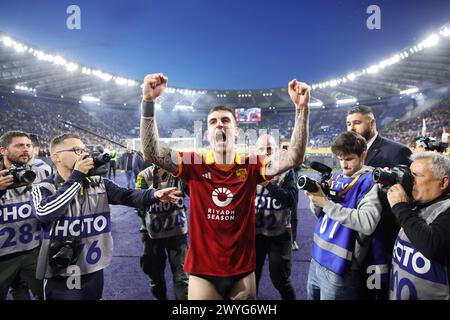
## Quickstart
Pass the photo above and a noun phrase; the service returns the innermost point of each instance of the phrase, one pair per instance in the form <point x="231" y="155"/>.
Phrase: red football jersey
<point x="221" y="214"/>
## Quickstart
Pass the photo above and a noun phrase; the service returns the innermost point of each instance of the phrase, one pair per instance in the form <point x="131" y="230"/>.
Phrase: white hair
<point x="440" y="164"/>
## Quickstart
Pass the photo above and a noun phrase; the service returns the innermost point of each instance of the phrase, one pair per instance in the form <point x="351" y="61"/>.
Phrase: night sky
<point x="224" y="44"/>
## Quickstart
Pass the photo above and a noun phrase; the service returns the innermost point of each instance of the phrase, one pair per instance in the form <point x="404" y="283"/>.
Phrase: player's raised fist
<point x="299" y="93"/>
<point x="153" y="86"/>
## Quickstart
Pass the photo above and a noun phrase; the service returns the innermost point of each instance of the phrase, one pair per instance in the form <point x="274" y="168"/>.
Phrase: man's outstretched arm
<point x="153" y="86"/>
<point x="284" y="160"/>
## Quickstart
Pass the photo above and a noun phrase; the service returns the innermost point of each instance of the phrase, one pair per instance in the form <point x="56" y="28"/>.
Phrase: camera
<point x="100" y="163"/>
<point x="399" y="174"/>
<point x="308" y="184"/>
<point x="64" y="253"/>
<point x="431" y="144"/>
<point x="21" y="175"/>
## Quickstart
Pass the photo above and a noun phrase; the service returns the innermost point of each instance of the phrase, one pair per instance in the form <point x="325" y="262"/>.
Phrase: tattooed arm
<point x="153" y="86"/>
<point x="284" y="160"/>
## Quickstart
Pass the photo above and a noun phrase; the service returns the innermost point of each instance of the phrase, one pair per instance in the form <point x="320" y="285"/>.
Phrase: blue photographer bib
<point x="272" y="217"/>
<point x="88" y="218"/>
<point x="19" y="229"/>
<point x="333" y="243"/>
<point x="413" y="276"/>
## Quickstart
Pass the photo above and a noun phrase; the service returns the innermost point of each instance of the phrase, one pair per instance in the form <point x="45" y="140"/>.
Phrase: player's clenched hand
<point x="299" y="93"/>
<point x="153" y="86"/>
<point x="169" y="195"/>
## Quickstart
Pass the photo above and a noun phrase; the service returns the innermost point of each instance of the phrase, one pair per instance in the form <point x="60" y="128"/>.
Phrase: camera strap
<point x="351" y="184"/>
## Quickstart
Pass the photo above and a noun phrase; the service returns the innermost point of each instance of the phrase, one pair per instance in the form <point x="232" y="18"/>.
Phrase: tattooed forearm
<point x="284" y="160"/>
<point x="152" y="148"/>
<point x="299" y="137"/>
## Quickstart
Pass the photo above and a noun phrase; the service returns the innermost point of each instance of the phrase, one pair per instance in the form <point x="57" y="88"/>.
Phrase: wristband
<point x="147" y="109"/>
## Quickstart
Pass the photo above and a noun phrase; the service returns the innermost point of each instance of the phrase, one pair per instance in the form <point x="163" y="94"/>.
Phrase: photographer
<point x="164" y="235"/>
<point x="422" y="144"/>
<point x="19" y="229"/>
<point x="73" y="206"/>
<point x="345" y="234"/>
<point x="420" y="265"/>
<point x="273" y="203"/>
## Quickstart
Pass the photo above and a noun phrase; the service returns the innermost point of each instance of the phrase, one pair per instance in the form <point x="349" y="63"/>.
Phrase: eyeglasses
<point x="78" y="151"/>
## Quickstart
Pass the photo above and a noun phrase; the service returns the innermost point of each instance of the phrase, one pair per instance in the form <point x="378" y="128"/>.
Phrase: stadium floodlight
<point x="373" y="69"/>
<point x="25" y="88"/>
<point x="409" y="91"/>
<point x="445" y="32"/>
<point x="90" y="99"/>
<point x="346" y="101"/>
<point x="317" y="104"/>
<point x="102" y="75"/>
<point x="7" y="41"/>
<point x="121" y="81"/>
<point x="430" y="41"/>
<point x="183" y="107"/>
<point x="351" y="76"/>
<point x="71" y="67"/>
<point x="20" y="47"/>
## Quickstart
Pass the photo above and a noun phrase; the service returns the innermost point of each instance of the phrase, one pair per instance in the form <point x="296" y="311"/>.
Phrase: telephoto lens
<point x="100" y="158"/>
<point x="385" y="177"/>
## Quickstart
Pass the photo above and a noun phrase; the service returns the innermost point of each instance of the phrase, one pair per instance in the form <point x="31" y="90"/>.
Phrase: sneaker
<point x="294" y="246"/>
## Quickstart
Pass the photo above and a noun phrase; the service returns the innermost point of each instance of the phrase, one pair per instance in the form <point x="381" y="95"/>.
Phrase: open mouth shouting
<point x="221" y="137"/>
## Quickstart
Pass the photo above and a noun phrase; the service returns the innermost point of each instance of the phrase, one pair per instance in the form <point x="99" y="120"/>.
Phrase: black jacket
<point x="387" y="153"/>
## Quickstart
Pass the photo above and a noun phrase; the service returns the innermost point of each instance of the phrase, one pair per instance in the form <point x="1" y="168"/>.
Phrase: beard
<point x="367" y="134"/>
<point x="19" y="160"/>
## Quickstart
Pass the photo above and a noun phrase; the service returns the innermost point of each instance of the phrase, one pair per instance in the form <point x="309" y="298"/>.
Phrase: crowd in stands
<point x="48" y="119"/>
<point x="436" y="119"/>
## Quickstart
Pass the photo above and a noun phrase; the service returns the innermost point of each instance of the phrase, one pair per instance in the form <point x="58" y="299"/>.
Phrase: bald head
<point x="266" y="145"/>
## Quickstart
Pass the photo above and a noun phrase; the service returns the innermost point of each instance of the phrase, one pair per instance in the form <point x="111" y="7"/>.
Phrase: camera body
<point x="100" y="163"/>
<point x="400" y="174"/>
<point x="21" y="175"/>
<point x="65" y="252"/>
<point x="431" y="144"/>
<point x="308" y="184"/>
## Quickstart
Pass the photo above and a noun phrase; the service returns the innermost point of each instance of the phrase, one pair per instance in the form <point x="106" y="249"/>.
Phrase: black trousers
<point x="20" y="268"/>
<point x="91" y="288"/>
<point x="112" y="167"/>
<point x="153" y="263"/>
<point x="279" y="250"/>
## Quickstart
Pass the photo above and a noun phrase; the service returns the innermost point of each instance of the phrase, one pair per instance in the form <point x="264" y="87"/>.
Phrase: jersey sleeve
<point x="186" y="161"/>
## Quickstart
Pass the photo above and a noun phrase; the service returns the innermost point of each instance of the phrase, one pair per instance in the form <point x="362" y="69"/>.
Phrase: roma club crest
<point x="242" y="174"/>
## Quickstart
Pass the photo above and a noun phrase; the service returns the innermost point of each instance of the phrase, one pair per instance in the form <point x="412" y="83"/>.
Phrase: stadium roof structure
<point x="26" y="68"/>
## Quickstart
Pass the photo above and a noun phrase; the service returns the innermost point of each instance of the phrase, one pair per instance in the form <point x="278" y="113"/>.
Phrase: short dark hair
<point x="6" y="138"/>
<point x="222" y="108"/>
<point x="34" y="139"/>
<point x="349" y="143"/>
<point x="360" y="109"/>
<point x="61" y="138"/>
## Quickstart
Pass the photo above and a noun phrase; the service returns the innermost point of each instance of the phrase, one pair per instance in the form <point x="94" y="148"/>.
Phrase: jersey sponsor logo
<point x="226" y="215"/>
<point x="15" y="212"/>
<point x="222" y="197"/>
<point x="242" y="174"/>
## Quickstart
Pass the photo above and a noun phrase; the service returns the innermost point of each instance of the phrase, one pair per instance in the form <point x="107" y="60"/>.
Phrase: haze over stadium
<point x="235" y="53"/>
